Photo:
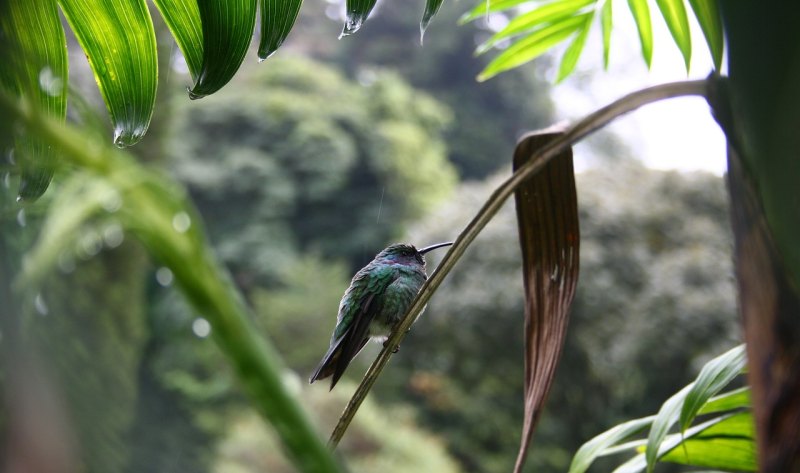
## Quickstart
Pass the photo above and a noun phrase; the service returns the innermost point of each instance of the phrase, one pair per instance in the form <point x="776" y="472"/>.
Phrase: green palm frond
<point x="724" y="440"/>
<point x="536" y="27"/>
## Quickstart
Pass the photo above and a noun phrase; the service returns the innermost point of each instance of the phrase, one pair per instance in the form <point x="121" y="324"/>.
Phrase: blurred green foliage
<point x="310" y="162"/>
<point x="93" y="341"/>
<point x="382" y="439"/>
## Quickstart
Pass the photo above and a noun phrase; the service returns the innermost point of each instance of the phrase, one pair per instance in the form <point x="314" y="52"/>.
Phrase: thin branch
<point x="572" y="135"/>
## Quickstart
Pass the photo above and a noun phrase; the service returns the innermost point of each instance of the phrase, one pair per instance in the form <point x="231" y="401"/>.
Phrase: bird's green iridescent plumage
<point x="378" y="296"/>
<point x="393" y="286"/>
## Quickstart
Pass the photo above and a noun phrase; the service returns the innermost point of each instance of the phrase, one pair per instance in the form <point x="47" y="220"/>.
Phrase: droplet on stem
<point x="164" y="276"/>
<point x="89" y="244"/>
<point x="112" y="201"/>
<point x="181" y="222"/>
<point x="201" y="327"/>
<point x="39" y="304"/>
<point x="113" y="235"/>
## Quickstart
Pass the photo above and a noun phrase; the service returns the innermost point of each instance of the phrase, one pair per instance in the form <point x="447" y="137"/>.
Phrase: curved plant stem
<point x="573" y="134"/>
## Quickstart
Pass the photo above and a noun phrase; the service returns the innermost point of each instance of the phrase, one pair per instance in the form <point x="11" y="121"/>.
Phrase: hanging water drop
<point x="164" y="276"/>
<point x="10" y="157"/>
<point x="181" y="222"/>
<point x="351" y="24"/>
<point x="126" y="134"/>
<point x="90" y="244"/>
<point x="113" y="235"/>
<point x="122" y="138"/>
<point x="21" y="216"/>
<point x="39" y="304"/>
<point x="7" y="180"/>
<point x="201" y="327"/>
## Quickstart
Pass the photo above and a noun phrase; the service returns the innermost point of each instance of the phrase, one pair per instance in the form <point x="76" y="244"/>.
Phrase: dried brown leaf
<point x="547" y="215"/>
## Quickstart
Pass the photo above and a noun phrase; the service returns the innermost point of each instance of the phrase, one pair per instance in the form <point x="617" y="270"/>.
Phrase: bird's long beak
<point x="433" y="247"/>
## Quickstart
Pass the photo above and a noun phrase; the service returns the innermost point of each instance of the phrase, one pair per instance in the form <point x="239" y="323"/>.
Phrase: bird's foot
<point x="396" y="349"/>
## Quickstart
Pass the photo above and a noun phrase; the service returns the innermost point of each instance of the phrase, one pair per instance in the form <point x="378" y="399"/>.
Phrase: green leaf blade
<point x="277" y="19"/>
<point x="606" y="24"/>
<point x="573" y="52"/>
<point x="708" y="15"/>
<point x="736" y="399"/>
<point x="547" y="15"/>
<point x="120" y="43"/>
<point x="595" y="447"/>
<point x="674" y="13"/>
<point x="34" y="57"/>
<point x="357" y="13"/>
<point x="431" y="8"/>
<point x="639" y="463"/>
<point x="532" y="46"/>
<point x="227" y="30"/>
<point x="641" y="15"/>
<point x="183" y="20"/>
<point x="727" y="445"/>
<point x="683" y="406"/>
<point x="666" y="417"/>
<point x="484" y="8"/>
<point x="714" y="376"/>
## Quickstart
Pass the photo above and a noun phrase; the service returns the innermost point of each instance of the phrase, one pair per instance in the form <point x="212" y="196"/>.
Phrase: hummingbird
<point x="378" y="297"/>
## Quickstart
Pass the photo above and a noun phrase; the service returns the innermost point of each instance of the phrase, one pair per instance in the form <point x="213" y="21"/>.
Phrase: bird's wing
<point x="354" y="325"/>
<point x="357" y="335"/>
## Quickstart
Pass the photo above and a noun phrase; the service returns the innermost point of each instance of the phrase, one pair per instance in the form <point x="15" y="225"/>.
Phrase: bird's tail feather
<point x="333" y="363"/>
<point x="328" y="364"/>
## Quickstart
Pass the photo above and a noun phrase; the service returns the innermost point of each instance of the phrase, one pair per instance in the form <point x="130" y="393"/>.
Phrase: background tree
<point x="319" y="164"/>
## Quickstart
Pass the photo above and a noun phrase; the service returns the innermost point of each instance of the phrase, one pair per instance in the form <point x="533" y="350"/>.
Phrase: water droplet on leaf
<point x="181" y="222"/>
<point x="351" y="24"/>
<point x="113" y="235"/>
<point x="164" y="276"/>
<point x="90" y="244"/>
<point x="194" y="95"/>
<point x="39" y="304"/>
<point x="112" y="201"/>
<point x="201" y="327"/>
<point x="21" y="215"/>
<point x="124" y="136"/>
